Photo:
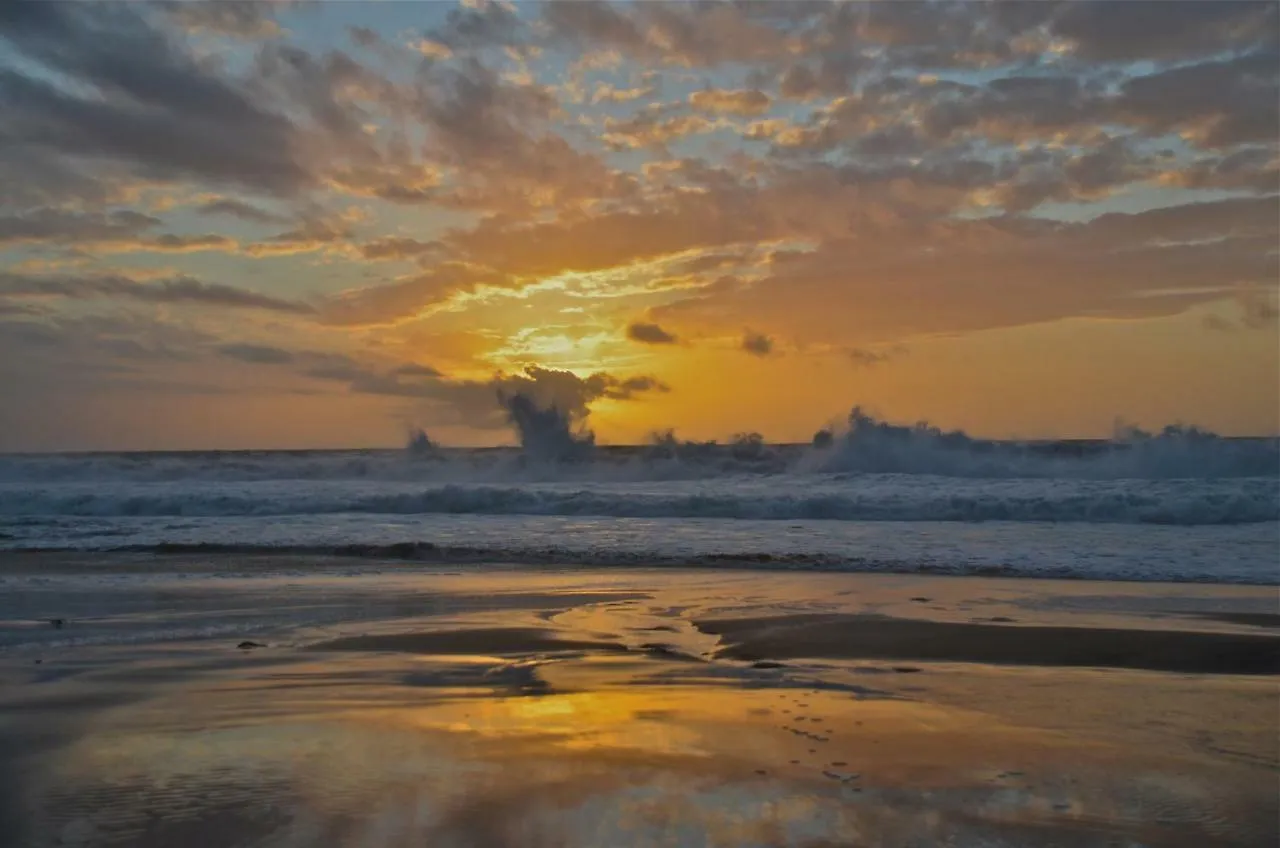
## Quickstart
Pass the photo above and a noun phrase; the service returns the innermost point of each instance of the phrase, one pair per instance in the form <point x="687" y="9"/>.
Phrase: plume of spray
<point x="547" y="434"/>
<point x="420" y="445"/>
<point x="870" y="445"/>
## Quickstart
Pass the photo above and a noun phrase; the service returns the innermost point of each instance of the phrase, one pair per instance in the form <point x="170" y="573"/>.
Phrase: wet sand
<point x="880" y="637"/>
<point x="393" y="706"/>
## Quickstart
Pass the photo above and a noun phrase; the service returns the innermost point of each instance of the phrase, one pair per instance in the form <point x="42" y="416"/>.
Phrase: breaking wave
<point x="869" y="470"/>
<point x="832" y="497"/>
<point x="554" y="448"/>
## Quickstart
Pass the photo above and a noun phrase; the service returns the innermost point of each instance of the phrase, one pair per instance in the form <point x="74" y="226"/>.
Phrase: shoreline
<point x="427" y="555"/>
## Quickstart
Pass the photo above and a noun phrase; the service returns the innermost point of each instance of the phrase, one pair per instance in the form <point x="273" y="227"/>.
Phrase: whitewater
<point x="1179" y="505"/>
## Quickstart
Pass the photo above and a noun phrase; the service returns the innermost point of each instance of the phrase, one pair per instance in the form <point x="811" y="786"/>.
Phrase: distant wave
<point x="860" y="497"/>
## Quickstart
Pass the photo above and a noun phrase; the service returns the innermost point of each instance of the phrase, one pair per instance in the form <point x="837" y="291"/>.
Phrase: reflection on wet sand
<point x="565" y="727"/>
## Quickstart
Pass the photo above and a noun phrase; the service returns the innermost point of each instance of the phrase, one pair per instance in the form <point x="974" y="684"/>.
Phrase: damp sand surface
<point x="389" y="705"/>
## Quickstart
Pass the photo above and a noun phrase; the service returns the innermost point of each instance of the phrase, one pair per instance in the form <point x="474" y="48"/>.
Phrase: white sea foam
<point x="871" y="473"/>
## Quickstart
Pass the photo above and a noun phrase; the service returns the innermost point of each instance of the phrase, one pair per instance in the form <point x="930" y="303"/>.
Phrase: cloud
<point x="480" y="403"/>
<point x="397" y="247"/>
<point x="1259" y="311"/>
<point x="250" y="19"/>
<point x="848" y="176"/>
<point x="153" y="106"/>
<point x="742" y="102"/>
<point x="566" y="391"/>
<point x="650" y="129"/>
<point x="176" y="290"/>
<point x="606" y="93"/>
<point x="1109" y="31"/>
<point x="413" y="369"/>
<point x="863" y="357"/>
<point x="11" y="308"/>
<point x="1001" y="272"/>
<point x="831" y="78"/>
<point x="259" y="354"/>
<point x="393" y="302"/>
<point x="757" y="344"/>
<point x="239" y="209"/>
<point x="66" y="226"/>
<point x="1217" y="104"/>
<point x="651" y="334"/>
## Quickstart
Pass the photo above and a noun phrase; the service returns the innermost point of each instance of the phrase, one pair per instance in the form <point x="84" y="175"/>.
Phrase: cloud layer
<point x="428" y="205"/>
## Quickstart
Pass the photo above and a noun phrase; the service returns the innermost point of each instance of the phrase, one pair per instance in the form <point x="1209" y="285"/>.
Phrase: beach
<point x="282" y="700"/>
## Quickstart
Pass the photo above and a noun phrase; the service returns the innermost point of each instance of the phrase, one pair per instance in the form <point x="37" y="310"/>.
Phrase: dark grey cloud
<point x="1221" y="103"/>
<point x="829" y="77"/>
<point x="62" y="225"/>
<point x="410" y="379"/>
<point x="478" y="403"/>
<point x="757" y="344"/>
<point x="632" y="386"/>
<point x="1248" y="168"/>
<point x="139" y="99"/>
<point x="176" y="290"/>
<point x="258" y="354"/>
<point x="481" y="25"/>
<point x="646" y="333"/>
<point x="571" y="394"/>
<point x="1108" y="30"/>
<point x="239" y="209"/>
<point x="413" y="369"/>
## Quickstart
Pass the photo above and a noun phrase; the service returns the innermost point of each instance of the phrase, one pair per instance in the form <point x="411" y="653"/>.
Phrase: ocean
<point x="1181" y="505"/>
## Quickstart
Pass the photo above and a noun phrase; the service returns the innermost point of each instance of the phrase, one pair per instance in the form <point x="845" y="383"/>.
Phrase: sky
<point x="320" y="224"/>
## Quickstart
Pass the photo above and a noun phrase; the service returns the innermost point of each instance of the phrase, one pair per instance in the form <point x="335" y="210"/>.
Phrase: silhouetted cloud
<point x="240" y="209"/>
<point x="649" y="334"/>
<point x="757" y="344"/>
<point x="863" y="357"/>
<point x="175" y="290"/>
<point x="260" y="354"/>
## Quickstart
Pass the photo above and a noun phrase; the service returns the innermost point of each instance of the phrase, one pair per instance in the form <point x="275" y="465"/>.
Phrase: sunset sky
<point x="234" y="225"/>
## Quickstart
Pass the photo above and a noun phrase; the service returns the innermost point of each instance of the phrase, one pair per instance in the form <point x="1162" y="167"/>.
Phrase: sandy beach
<point x="389" y="704"/>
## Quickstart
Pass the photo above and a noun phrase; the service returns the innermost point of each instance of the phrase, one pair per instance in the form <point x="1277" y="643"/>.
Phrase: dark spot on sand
<point x="919" y="600"/>
<point x="57" y="623"/>
<point x="37" y="662"/>
<point x="1002" y="619"/>
<point x="245" y="646"/>
<point x="761" y="771"/>
<point x="767" y="664"/>
<point x="906" y="669"/>
<point x="794" y="762"/>
<point x="838" y="763"/>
